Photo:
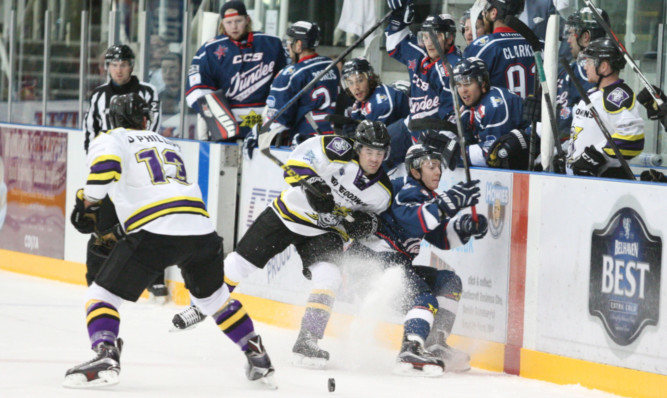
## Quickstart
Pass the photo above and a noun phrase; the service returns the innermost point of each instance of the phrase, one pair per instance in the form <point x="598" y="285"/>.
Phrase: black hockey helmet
<point x="372" y="134"/>
<point x="307" y="32"/>
<point x="463" y="19"/>
<point x="128" y="111"/>
<point x="418" y="154"/>
<point x="469" y="69"/>
<point x="440" y="23"/>
<point x="360" y="66"/>
<point x="602" y="49"/>
<point x="119" y="52"/>
<point x="584" y="21"/>
<point x="506" y="7"/>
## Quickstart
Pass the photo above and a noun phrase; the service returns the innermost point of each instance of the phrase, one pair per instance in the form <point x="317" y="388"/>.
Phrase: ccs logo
<point x="624" y="285"/>
<point x="497" y="198"/>
<point x="249" y="57"/>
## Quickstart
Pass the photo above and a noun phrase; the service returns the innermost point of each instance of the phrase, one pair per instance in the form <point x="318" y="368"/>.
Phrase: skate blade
<point x="408" y="369"/>
<point x="303" y="361"/>
<point x="104" y="378"/>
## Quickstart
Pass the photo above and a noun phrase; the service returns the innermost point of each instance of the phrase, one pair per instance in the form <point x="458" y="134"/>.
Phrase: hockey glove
<point x="532" y="109"/>
<point x="83" y="219"/>
<point x="463" y="194"/>
<point x="653" y="111"/>
<point x="364" y="224"/>
<point x="466" y="227"/>
<point x="558" y="164"/>
<point x="589" y="163"/>
<point x="510" y="151"/>
<point x="397" y="4"/>
<point x="250" y="142"/>
<point x="652" y="175"/>
<point x="320" y="197"/>
<point x="402" y="17"/>
<point x="445" y="142"/>
<point x="108" y="237"/>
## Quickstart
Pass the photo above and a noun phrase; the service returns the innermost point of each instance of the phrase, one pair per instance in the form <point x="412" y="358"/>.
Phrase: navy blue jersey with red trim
<point x="385" y="104"/>
<point x="568" y="97"/>
<point x="320" y="101"/>
<point x="509" y="59"/>
<point x="244" y="70"/>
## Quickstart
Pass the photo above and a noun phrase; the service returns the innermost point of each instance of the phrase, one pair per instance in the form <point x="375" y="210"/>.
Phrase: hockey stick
<point x="340" y="119"/>
<point x="457" y="110"/>
<point x="590" y="107"/>
<point x="428" y="123"/>
<point x="530" y="36"/>
<point x="312" y="122"/>
<point x="621" y="48"/>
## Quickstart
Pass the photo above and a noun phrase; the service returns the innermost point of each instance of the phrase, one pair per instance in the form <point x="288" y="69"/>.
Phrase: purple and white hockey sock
<point x="318" y="312"/>
<point x="234" y="321"/>
<point x="103" y="322"/>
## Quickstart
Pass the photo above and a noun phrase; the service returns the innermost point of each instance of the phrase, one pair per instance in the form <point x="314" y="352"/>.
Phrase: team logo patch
<point x="482" y="40"/>
<point x="625" y="268"/>
<point x="412" y="64"/>
<point x="289" y="70"/>
<point x="251" y="119"/>
<point x="339" y="146"/>
<point x="193" y="69"/>
<point x="220" y="51"/>
<point x="271" y="101"/>
<point x="367" y="109"/>
<point x="497" y="198"/>
<point x="481" y="111"/>
<point x="617" y="96"/>
<point x="496" y="102"/>
<point x="565" y="112"/>
<point x="380" y="98"/>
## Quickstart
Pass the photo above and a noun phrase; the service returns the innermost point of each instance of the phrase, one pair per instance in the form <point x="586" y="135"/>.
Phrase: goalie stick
<point x="532" y="39"/>
<point x="475" y="10"/>
<point x="457" y="110"/>
<point x="596" y="117"/>
<point x="624" y="52"/>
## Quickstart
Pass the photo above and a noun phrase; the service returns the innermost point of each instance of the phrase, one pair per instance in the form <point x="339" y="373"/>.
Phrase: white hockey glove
<point x="250" y="142"/>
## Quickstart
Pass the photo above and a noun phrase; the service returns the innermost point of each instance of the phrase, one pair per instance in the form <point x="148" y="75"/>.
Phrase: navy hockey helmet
<point x="372" y="134"/>
<point x="440" y="23"/>
<point x="584" y="21"/>
<point x="119" y="52"/>
<point x="128" y="111"/>
<point x="418" y="154"/>
<point x="602" y="49"/>
<point x="505" y="7"/>
<point x="359" y="66"/>
<point x="469" y="69"/>
<point x="307" y="32"/>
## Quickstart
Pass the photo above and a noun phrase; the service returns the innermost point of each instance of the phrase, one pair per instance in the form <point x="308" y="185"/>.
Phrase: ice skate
<point x="413" y="360"/>
<point x="159" y="293"/>
<point x="455" y="360"/>
<point x="101" y="371"/>
<point x="307" y="353"/>
<point x="187" y="319"/>
<point x="259" y="366"/>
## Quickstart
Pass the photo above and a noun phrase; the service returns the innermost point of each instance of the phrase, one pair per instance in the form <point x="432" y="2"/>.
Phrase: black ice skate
<point x="307" y="353"/>
<point x="455" y="360"/>
<point x="187" y="319"/>
<point x="159" y="293"/>
<point x="259" y="364"/>
<point x="103" y="370"/>
<point x="413" y="360"/>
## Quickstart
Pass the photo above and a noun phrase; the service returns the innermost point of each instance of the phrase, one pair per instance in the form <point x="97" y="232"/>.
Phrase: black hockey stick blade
<point x="217" y="114"/>
<point x="340" y="119"/>
<point x="428" y="123"/>
<point x="596" y="117"/>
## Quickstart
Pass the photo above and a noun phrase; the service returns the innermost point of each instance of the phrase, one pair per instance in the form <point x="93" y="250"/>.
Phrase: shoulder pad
<point x="617" y="97"/>
<point x="338" y="148"/>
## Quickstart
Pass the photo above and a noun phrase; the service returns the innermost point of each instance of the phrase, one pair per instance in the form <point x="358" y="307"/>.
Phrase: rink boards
<point x="565" y="287"/>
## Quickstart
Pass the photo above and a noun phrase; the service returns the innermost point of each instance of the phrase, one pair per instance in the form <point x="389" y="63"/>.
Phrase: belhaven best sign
<point x="624" y="286"/>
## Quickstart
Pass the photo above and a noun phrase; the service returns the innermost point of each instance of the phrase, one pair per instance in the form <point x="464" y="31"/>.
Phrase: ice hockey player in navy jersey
<point x="508" y="56"/>
<point x="373" y="100"/>
<point x="491" y="118"/>
<point x="240" y="62"/>
<point x="419" y="212"/>
<point x="302" y="40"/>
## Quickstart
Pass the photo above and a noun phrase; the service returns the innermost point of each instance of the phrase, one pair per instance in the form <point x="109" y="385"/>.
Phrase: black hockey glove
<point x="444" y="142"/>
<point x="652" y="175"/>
<point x="461" y="195"/>
<point x="653" y="111"/>
<point x="402" y="16"/>
<point x="364" y="224"/>
<point x="589" y="163"/>
<point x="532" y="109"/>
<point x="108" y="237"/>
<point x="466" y="227"/>
<point x="250" y="142"/>
<point x="510" y="151"/>
<point x="322" y="201"/>
<point x="83" y="219"/>
<point x="558" y="164"/>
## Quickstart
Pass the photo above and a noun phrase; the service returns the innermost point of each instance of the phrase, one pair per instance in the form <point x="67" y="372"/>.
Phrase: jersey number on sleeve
<point x="155" y="165"/>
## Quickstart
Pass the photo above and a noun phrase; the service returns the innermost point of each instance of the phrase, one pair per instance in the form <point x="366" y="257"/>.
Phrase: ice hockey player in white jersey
<point x="347" y="179"/>
<point x="166" y="223"/>
<point x="589" y="152"/>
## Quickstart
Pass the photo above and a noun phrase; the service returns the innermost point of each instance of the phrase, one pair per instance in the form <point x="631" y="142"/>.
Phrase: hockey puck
<point x="332" y="384"/>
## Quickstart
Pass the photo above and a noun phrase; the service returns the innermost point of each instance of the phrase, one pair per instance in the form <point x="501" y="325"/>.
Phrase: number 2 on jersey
<point x="155" y="165"/>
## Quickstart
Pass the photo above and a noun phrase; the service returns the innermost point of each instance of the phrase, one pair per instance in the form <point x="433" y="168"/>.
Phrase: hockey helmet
<point x="505" y="7"/>
<point x="307" y="32"/>
<point x="119" y="52"/>
<point x="601" y="49"/>
<point x="469" y="69"/>
<point x="444" y="23"/>
<point x="462" y="21"/>
<point x="418" y="154"/>
<point x="584" y="21"/>
<point x="372" y="134"/>
<point x="128" y="111"/>
<point x="359" y="66"/>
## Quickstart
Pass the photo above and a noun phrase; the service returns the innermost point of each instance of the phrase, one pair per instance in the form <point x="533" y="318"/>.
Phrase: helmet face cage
<point x="584" y="21"/>
<point x="443" y="23"/>
<point x="470" y="69"/>
<point x="599" y="50"/>
<point x="373" y="135"/>
<point x="354" y="70"/>
<point x="418" y="154"/>
<point x="119" y="52"/>
<point x="128" y="111"/>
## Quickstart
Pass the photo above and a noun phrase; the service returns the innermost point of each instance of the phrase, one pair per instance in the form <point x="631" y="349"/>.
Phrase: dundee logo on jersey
<point x="497" y="198"/>
<point x="624" y="286"/>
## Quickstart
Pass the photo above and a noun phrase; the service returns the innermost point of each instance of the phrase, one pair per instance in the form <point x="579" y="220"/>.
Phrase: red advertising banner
<point x="33" y="175"/>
